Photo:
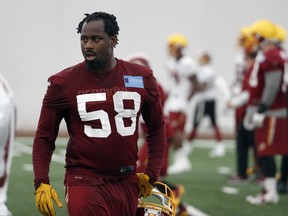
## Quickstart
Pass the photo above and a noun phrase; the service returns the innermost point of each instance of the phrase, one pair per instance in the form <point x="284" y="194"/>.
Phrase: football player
<point x="7" y="136"/>
<point x="238" y="101"/>
<point x="206" y="102"/>
<point x="266" y="110"/>
<point x="282" y="184"/>
<point x="182" y="80"/>
<point x="101" y="100"/>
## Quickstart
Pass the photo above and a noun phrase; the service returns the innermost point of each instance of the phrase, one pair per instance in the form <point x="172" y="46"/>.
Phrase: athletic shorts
<point x="271" y="139"/>
<point x="112" y="198"/>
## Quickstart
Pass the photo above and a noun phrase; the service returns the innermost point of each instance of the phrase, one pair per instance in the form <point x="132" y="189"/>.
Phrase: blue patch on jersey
<point x="133" y="81"/>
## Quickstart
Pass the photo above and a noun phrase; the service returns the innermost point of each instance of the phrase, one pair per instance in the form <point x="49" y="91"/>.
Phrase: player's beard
<point x="94" y="65"/>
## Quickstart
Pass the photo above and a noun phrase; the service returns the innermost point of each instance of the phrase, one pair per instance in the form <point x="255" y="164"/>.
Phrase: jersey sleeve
<point x="156" y="137"/>
<point x="190" y="66"/>
<point x="47" y="130"/>
<point x="273" y="61"/>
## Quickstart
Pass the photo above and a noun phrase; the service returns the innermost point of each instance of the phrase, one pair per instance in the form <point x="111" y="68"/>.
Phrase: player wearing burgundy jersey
<point x="266" y="110"/>
<point x="100" y="100"/>
<point x="238" y="101"/>
<point x="282" y="184"/>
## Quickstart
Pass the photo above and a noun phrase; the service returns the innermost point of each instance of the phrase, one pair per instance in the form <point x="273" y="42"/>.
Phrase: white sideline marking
<point x="210" y="144"/>
<point x="230" y="190"/>
<point x="27" y="167"/>
<point x="27" y="149"/>
<point x="22" y="148"/>
<point x="224" y="170"/>
<point x="194" y="211"/>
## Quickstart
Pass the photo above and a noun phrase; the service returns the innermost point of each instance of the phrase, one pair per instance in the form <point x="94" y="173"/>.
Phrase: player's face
<point x="96" y="45"/>
<point x="172" y="50"/>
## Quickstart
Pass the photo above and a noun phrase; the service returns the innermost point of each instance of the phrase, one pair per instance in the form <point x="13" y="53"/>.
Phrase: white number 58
<point x="103" y="116"/>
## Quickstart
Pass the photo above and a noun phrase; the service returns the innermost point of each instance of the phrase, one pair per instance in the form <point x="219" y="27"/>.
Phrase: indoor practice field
<point x="207" y="190"/>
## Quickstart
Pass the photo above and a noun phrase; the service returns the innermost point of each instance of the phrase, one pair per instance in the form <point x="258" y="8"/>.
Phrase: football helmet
<point x="160" y="203"/>
<point x="177" y="40"/>
<point x="264" y="29"/>
<point x="246" y="39"/>
<point x="280" y="34"/>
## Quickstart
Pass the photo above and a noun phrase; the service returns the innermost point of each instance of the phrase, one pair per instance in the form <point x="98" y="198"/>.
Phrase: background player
<point x="266" y="110"/>
<point x="282" y="184"/>
<point x="7" y="136"/>
<point x="240" y="95"/>
<point x="182" y="78"/>
<point x="206" y="102"/>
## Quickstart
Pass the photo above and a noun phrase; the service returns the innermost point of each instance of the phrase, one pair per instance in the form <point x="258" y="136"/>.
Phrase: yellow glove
<point x="145" y="187"/>
<point x="44" y="195"/>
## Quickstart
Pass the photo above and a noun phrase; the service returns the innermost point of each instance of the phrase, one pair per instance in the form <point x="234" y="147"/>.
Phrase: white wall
<point x="39" y="37"/>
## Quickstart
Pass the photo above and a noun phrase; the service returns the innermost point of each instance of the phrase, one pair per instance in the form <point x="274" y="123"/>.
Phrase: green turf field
<point x="203" y="183"/>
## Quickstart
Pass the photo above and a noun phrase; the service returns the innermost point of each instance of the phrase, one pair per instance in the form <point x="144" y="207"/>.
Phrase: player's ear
<point x="114" y="40"/>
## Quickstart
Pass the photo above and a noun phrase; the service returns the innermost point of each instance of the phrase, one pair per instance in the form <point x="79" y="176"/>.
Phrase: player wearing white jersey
<point x="205" y="102"/>
<point x="182" y="71"/>
<point x="7" y="133"/>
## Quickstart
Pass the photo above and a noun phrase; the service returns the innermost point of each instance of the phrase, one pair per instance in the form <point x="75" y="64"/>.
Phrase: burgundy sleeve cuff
<point x="37" y="183"/>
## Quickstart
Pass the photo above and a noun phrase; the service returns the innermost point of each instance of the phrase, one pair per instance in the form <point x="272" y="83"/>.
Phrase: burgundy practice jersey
<point x="102" y="115"/>
<point x="271" y="138"/>
<point x="268" y="62"/>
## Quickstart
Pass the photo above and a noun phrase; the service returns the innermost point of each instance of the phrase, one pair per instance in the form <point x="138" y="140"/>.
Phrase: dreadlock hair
<point x="111" y="27"/>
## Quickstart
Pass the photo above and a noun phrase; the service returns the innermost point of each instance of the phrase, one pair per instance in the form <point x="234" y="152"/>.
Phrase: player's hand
<point x="258" y="119"/>
<point x="248" y="122"/>
<point x="44" y="195"/>
<point x="145" y="187"/>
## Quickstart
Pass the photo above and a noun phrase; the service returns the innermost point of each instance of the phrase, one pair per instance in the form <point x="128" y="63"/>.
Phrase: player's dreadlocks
<point x="110" y="23"/>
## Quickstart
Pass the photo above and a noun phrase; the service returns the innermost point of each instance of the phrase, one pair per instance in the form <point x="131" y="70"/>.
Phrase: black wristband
<point x="262" y="108"/>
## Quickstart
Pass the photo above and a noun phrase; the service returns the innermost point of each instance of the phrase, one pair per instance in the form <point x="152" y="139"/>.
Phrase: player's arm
<point x="43" y="147"/>
<point x="156" y="142"/>
<point x="152" y="113"/>
<point x="44" y="144"/>
<point x="196" y="86"/>
<point x="272" y="81"/>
